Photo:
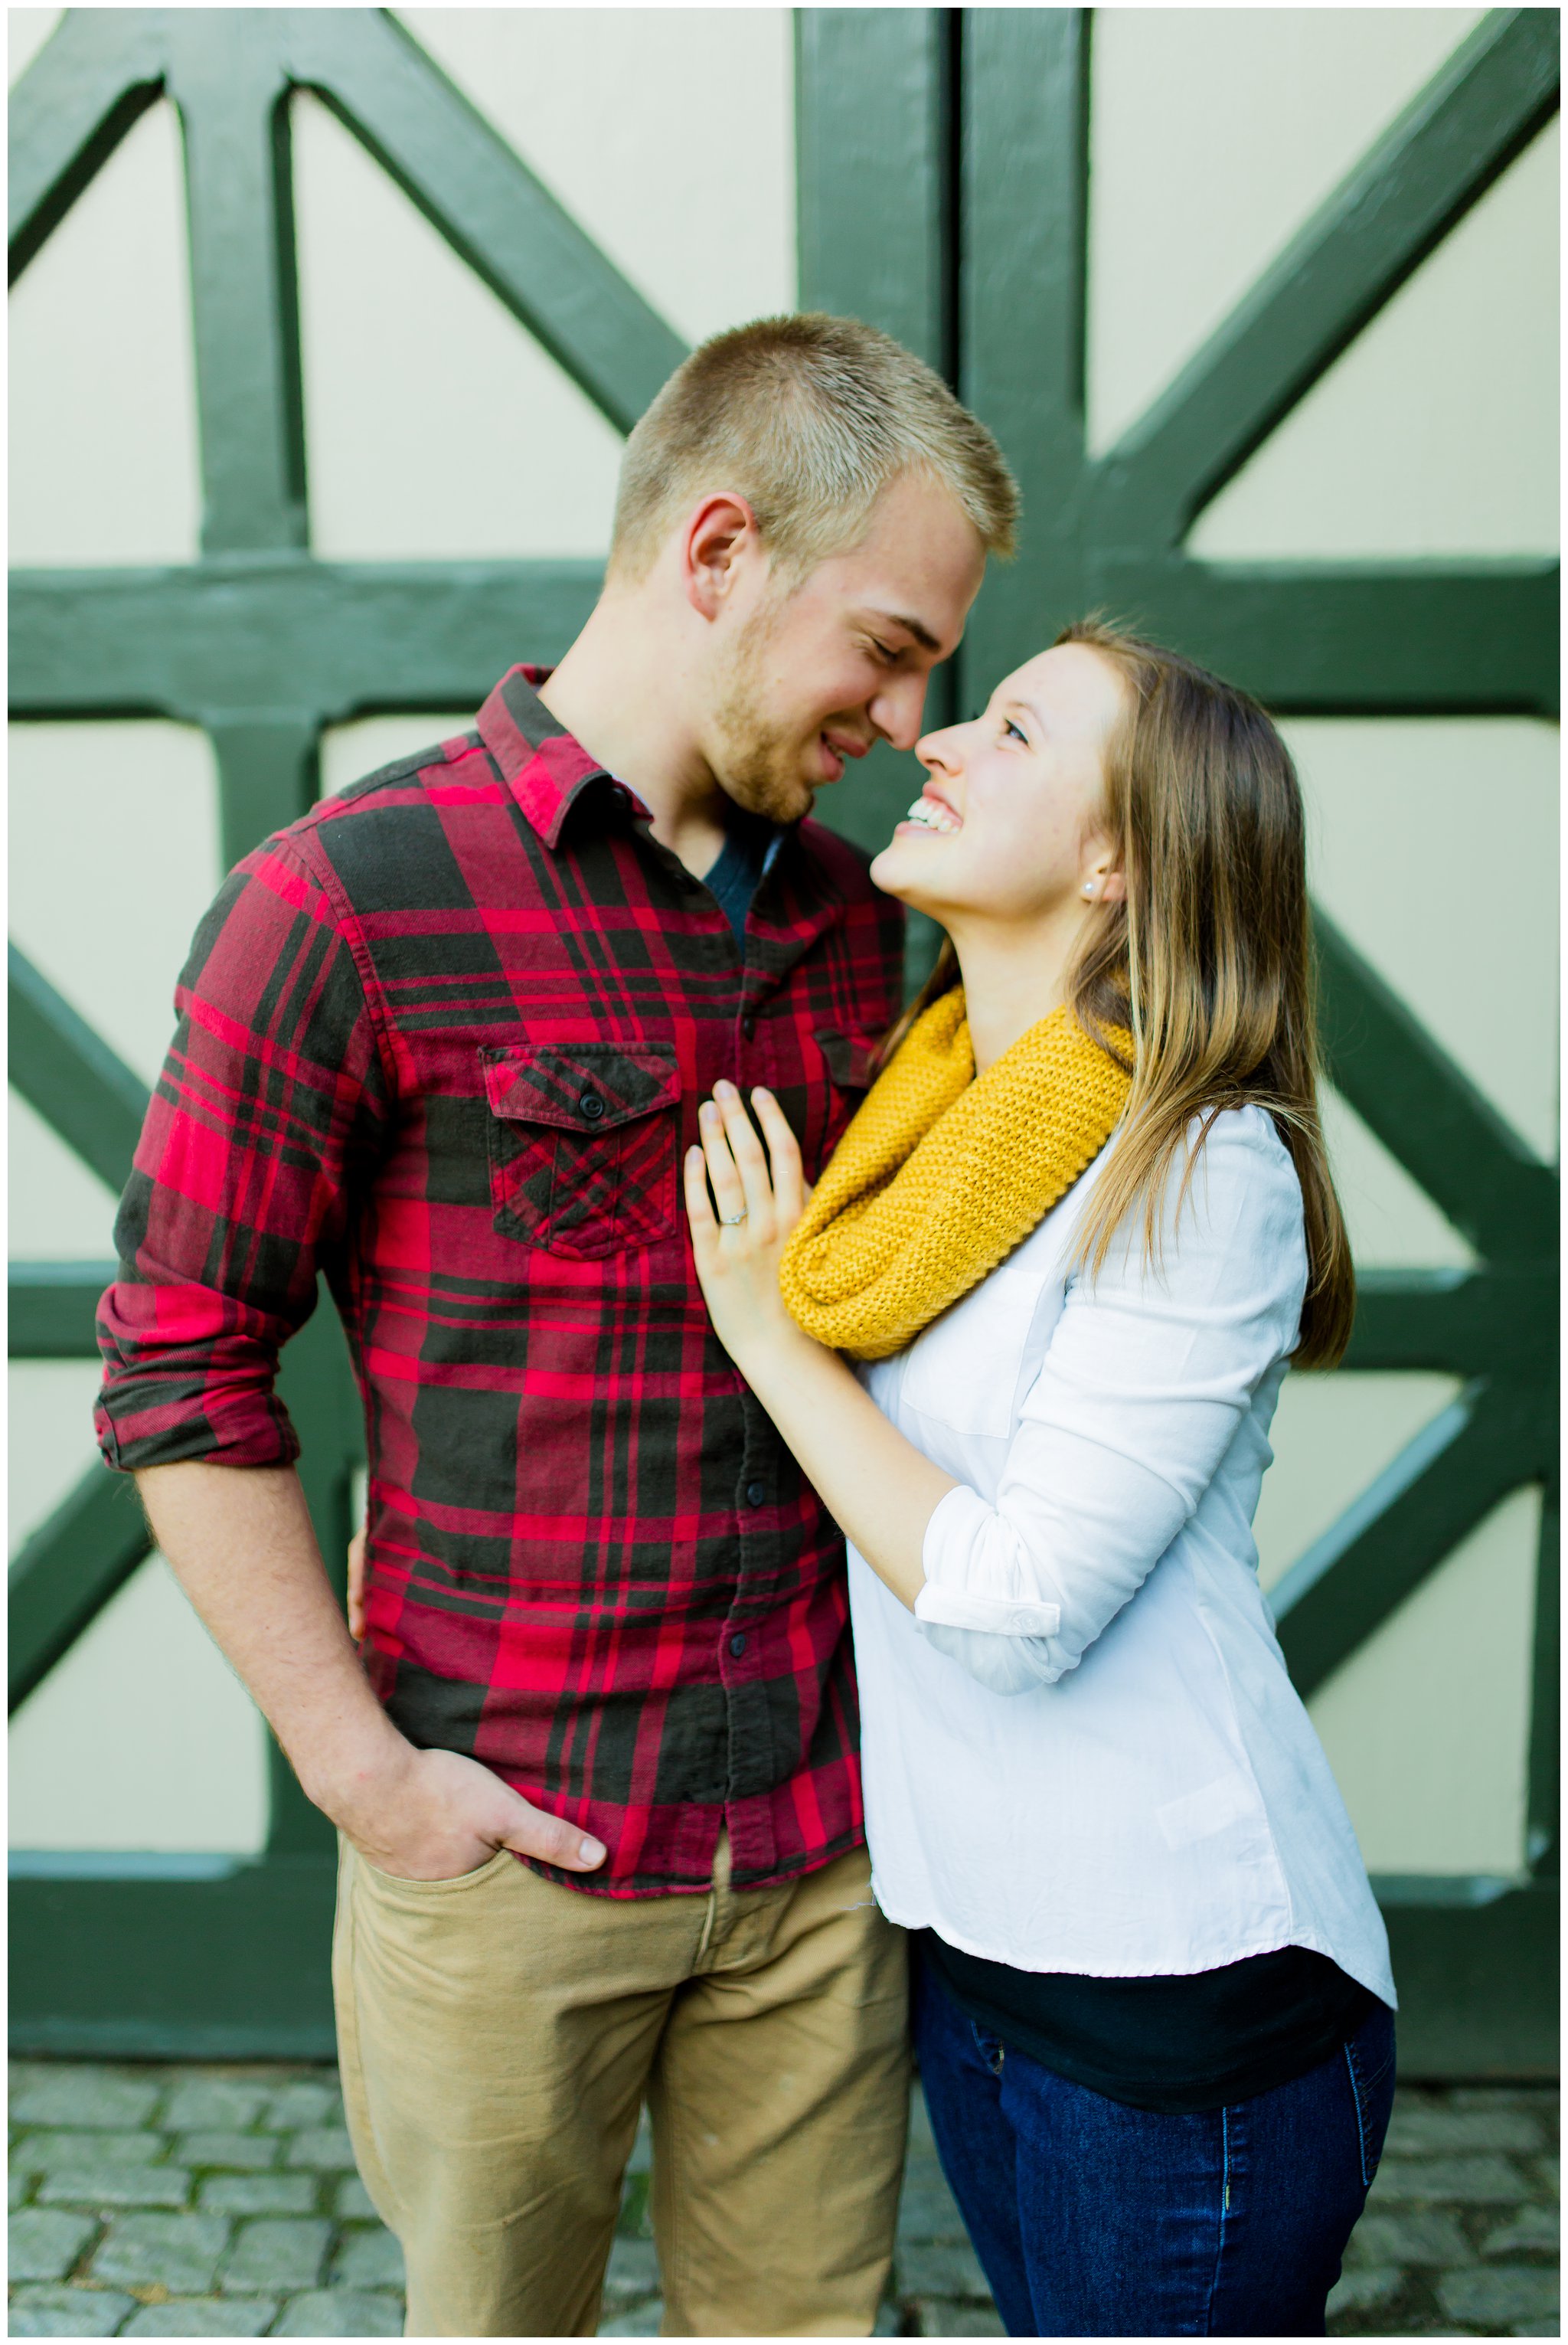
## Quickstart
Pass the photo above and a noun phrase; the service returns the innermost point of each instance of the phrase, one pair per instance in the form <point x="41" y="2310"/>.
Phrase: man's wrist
<point x="357" y="1773"/>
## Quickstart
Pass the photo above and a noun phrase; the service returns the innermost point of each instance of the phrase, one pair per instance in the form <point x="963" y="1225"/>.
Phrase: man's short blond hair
<point x="809" y="418"/>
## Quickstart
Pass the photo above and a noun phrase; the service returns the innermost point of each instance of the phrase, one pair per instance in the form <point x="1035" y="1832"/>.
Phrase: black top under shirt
<point x="734" y="877"/>
<point x="1177" y="2045"/>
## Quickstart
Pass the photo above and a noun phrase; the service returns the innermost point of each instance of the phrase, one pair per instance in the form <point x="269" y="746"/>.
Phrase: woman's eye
<point x="1015" y="730"/>
<point x="884" y="653"/>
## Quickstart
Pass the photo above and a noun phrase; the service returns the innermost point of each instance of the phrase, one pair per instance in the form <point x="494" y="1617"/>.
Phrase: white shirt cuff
<point x="998" y="1616"/>
<point x="955" y="1595"/>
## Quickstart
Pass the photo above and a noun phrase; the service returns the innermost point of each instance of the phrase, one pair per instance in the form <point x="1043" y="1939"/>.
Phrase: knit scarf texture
<point x="943" y="1173"/>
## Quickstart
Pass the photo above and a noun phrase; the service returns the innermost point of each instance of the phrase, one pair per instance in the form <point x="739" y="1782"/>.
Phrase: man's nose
<point x="898" y="708"/>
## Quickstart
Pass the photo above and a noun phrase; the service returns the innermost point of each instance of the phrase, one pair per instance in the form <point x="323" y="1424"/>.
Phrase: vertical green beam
<point x="229" y="78"/>
<point x="873" y="139"/>
<point x="316" y="1386"/>
<point x="875" y="107"/>
<point x="226" y="79"/>
<point x="1543" y="1792"/>
<point x="268" y="764"/>
<point x="1024" y="193"/>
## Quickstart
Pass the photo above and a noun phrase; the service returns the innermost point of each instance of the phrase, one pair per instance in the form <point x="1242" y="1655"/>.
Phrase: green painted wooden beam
<point x="874" y="136"/>
<point x="1450" y="639"/>
<point x="67" y="1571"/>
<point x="91" y="82"/>
<point x="1448" y="147"/>
<point x="1477" y="1976"/>
<point x="485" y="201"/>
<point x="1489" y="1442"/>
<point x="1469" y="1323"/>
<point x="82" y="1555"/>
<point x="1427" y="1112"/>
<point x="230" y="1963"/>
<point x="285" y="642"/>
<point x="1375" y="639"/>
<point x="52" y="1309"/>
<point x="226" y="76"/>
<point x="71" y="1077"/>
<point x="202" y="1959"/>
<point x="1542" y="1789"/>
<point x="269" y="773"/>
<point x="876" y="235"/>
<point x="316" y="1385"/>
<point x="1024" y="97"/>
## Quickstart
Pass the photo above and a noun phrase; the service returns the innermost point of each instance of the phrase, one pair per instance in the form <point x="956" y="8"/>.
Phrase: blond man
<point x="594" y="1757"/>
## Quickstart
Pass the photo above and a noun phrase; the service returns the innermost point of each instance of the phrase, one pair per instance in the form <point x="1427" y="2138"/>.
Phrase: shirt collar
<point x="546" y="770"/>
<point x="543" y="767"/>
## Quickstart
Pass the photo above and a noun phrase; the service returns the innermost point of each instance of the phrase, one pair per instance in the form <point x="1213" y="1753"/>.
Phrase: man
<point x="444" y="1040"/>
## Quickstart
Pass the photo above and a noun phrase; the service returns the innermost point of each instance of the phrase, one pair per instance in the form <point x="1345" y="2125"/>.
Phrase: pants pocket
<point x="400" y="1886"/>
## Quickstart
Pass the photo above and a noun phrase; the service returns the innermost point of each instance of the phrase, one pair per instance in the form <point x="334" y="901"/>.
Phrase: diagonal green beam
<point x="52" y="1309"/>
<point x="1447" y="147"/>
<point x="1488" y="1443"/>
<point x="1427" y="1113"/>
<point x="487" y="204"/>
<point x="72" y="1078"/>
<point x="95" y="76"/>
<point x="67" y="1572"/>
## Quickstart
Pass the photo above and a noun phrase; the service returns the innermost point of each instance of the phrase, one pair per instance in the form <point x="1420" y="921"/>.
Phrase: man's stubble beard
<point x="757" y="763"/>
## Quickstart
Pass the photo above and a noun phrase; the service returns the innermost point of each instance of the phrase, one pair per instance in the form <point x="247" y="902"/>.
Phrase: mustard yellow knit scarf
<point x="941" y="1174"/>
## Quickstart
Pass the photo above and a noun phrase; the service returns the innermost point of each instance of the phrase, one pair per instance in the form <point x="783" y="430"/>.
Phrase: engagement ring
<point x="733" y="1221"/>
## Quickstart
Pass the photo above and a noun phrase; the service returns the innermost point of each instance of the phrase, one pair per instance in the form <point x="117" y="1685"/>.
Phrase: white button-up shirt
<point x="1083" y="1752"/>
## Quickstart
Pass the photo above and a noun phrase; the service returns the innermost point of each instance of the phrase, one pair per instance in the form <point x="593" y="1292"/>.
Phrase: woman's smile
<point x="931" y="812"/>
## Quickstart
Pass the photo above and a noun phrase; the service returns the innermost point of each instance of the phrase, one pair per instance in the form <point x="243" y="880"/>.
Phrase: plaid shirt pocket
<point x="583" y="1140"/>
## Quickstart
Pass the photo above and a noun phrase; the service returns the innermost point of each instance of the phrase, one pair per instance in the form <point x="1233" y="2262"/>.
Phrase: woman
<point x="1077" y="1231"/>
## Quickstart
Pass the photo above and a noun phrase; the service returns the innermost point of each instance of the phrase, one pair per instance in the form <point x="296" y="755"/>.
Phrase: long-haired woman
<point x="1078" y="1231"/>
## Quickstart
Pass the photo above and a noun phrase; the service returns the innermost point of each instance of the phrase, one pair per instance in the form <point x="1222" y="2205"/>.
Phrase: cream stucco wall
<point x="437" y="427"/>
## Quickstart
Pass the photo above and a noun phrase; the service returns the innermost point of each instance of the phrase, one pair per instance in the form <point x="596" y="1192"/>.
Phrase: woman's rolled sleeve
<point x="1148" y="1373"/>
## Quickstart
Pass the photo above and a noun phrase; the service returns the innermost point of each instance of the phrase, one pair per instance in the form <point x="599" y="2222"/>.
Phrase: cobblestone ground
<point x="223" y="2202"/>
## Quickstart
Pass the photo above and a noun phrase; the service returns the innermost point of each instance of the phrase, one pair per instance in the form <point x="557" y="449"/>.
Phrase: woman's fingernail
<point x="590" y="1851"/>
<point x="723" y="1090"/>
<point x="760" y="1090"/>
<point x="693" y="1151"/>
<point x="708" y="1110"/>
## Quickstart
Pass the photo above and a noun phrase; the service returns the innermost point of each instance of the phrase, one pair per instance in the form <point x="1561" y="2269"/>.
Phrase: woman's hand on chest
<point x="760" y="1196"/>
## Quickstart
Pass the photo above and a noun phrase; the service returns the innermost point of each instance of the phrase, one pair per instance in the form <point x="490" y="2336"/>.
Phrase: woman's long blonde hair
<point x="1209" y="961"/>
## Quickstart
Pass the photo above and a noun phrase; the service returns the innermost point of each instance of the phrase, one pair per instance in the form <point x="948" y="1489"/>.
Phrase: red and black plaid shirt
<point x="444" y="1040"/>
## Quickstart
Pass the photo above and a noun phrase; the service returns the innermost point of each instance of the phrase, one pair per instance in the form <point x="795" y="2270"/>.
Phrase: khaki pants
<point x="499" y="2034"/>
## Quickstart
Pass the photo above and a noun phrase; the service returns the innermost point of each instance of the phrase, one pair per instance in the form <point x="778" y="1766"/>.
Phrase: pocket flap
<point x="851" y="1059"/>
<point x="579" y="1086"/>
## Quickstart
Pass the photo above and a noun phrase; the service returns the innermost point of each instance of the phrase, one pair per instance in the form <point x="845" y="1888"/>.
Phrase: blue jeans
<point x="1094" y="2219"/>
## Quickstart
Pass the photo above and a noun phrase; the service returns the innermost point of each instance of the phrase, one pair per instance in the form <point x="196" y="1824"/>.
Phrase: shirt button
<point x="756" y="1493"/>
<point x="737" y="1646"/>
<point x="593" y="1106"/>
<point x="748" y="1026"/>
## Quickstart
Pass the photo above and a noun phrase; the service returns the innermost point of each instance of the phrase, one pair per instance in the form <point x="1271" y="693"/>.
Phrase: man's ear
<point x="719" y="539"/>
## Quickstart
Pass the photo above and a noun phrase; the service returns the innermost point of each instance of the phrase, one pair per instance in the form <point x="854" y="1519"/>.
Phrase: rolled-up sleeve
<point x="271" y="1110"/>
<point x="1147" y="1375"/>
